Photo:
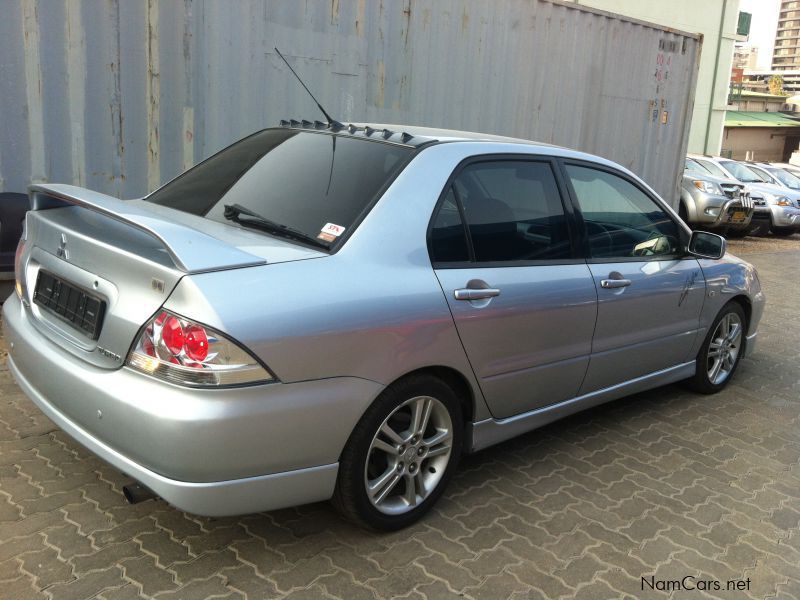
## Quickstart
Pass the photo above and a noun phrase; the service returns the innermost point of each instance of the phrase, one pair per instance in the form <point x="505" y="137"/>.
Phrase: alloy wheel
<point x="408" y="455"/>
<point x="723" y="350"/>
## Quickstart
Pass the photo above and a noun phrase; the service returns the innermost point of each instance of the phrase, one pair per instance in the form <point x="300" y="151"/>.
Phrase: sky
<point x="762" y="27"/>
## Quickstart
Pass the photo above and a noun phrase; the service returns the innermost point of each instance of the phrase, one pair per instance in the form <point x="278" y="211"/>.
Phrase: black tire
<point x="782" y="231"/>
<point x="350" y="496"/>
<point x="701" y="381"/>
<point x="683" y="214"/>
<point x="737" y="233"/>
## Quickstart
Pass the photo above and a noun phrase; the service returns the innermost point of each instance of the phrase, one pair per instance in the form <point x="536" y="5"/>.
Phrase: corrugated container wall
<point x="122" y="96"/>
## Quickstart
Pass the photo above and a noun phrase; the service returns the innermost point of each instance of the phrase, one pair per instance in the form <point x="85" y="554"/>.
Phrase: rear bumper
<point x="210" y="452"/>
<point x="213" y="499"/>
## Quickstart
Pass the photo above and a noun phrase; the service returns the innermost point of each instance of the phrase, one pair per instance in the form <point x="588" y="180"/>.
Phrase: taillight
<point x="181" y="351"/>
<point x="172" y="334"/>
<point x="18" y="278"/>
<point x="196" y="343"/>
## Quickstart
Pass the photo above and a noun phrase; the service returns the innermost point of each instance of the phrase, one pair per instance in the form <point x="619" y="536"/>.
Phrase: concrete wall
<point x="766" y="143"/>
<point x="758" y="105"/>
<point x="695" y="16"/>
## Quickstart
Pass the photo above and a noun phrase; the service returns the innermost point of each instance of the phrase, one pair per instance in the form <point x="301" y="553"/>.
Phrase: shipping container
<point x="122" y="96"/>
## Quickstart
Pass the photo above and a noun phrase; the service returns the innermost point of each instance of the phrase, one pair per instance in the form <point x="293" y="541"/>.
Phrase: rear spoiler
<point x="191" y="251"/>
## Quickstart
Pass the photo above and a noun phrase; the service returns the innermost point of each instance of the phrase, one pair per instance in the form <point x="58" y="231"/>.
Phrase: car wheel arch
<point x="686" y="208"/>
<point x="747" y="307"/>
<point x="451" y="377"/>
<point x="713" y="372"/>
<point x="458" y="383"/>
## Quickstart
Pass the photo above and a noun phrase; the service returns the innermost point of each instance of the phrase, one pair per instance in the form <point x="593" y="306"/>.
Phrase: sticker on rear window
<point x="330" y="232"/>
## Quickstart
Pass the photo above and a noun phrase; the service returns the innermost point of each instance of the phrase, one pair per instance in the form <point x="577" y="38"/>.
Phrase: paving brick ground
<point x="664" y="484"/>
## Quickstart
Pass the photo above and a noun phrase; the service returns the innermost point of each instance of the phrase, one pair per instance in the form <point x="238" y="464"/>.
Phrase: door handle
<point x="475" y="294"/>
<point x="611" y="284"/>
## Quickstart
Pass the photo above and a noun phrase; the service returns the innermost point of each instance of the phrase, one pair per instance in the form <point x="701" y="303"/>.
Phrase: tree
<point x="775" y="83"/>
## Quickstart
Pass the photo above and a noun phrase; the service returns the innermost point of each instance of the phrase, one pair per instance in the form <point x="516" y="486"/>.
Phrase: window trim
<point x="682" y="235"/>
<point x="472" y="263"/>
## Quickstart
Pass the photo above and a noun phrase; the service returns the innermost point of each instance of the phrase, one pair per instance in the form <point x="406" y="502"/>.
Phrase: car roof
<point x="415" y="136"/>
<point x="411" y="135"/>
<point x="457" y="135"/>
<point x="709" y="157"/>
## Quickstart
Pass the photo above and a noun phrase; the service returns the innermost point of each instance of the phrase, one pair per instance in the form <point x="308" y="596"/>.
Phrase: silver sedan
<point x="321" y="311"/>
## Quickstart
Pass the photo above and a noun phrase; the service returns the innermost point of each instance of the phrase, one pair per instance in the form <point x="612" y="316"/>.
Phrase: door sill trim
<point x="493" y="431"/>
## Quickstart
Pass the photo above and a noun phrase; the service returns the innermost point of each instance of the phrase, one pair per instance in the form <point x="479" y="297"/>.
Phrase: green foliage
<point x="775" y="83"/>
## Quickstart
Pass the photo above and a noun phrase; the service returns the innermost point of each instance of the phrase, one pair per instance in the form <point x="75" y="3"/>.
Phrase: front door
<point x="523" y="305"/>
<point x="649" y="294"/>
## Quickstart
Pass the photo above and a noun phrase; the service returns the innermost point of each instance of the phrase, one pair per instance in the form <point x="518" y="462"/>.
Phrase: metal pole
<point x="714" y="76"/>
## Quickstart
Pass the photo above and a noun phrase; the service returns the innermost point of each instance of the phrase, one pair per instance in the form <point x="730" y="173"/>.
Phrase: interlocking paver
<point x="109" y="555"/>
<point x="549" y="585"/>
<point x="125" y="592"/>
<point x="497" y="586"/>
<point x="45" y="568"/>
<point x="145" y="575"/>
<point x="663" y="484"/>
<point x="457" y="576"/>
<point x="213" y="587"/>
<point x="342" y="585"/>
<point x="88" y="585"/>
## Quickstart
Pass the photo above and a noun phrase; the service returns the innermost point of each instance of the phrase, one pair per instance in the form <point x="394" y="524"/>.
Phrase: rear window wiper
<point x="233" y="212"/>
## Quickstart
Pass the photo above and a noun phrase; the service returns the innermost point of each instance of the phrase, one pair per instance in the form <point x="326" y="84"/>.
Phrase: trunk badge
<point x="61" y="251"/>
<point x="109" y="354"/>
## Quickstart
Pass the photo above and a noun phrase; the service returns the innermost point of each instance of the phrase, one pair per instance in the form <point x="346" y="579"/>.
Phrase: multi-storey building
<point x="786" y="56"/>
<point x="745" y="57"/>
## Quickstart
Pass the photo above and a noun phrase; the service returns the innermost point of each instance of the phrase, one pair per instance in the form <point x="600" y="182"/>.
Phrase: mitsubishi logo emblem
<point x="61" y="251"/>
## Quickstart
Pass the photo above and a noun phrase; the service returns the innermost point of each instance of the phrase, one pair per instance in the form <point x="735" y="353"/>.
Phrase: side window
<point x="448" y="240"/>
<point x="513" y="211"/>
<point x="621" y="220"/>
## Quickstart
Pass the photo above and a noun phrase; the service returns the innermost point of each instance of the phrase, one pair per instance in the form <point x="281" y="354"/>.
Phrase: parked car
<point x="785" y="181"/>
<point x="713" y="203"/>
<point x="324" y="311"/>
<point x="776" y="208"/>
<point x="776" y="176"/>
<point x="793" y="169"/>
<point x="13" y="207"/>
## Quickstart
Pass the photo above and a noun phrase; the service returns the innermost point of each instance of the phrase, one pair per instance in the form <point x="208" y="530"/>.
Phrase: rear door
<point x="524" y="306"/>
<point x="649" y="294"/>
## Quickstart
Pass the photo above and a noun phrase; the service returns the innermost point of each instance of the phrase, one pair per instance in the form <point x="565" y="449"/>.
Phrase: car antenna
<point x="333" y="123"/>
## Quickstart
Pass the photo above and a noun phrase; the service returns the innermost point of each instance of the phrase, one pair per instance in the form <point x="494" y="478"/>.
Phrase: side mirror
<point x="707" y="245"/>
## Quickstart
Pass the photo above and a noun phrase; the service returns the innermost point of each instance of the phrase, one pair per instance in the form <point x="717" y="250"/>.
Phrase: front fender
<point x="726" y="279"/>
<point x="690" y="205"/>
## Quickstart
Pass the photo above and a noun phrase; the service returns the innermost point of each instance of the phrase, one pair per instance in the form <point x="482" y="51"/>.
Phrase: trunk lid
<point x="95" y="268"/>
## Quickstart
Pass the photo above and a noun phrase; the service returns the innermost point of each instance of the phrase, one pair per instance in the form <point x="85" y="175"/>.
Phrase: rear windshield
<point x="314" y="183"/>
